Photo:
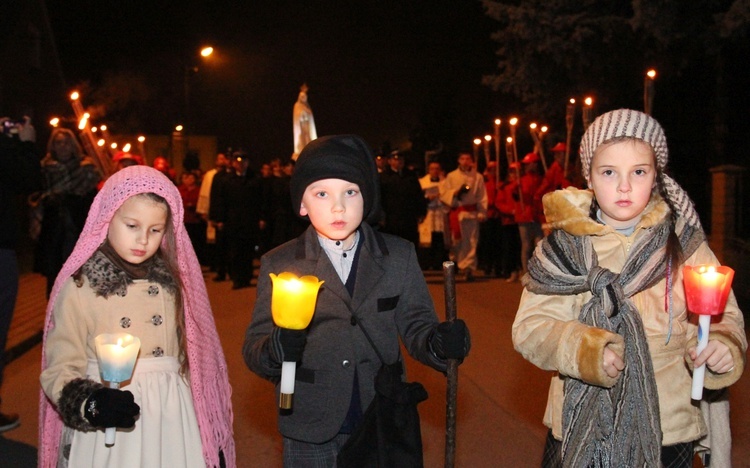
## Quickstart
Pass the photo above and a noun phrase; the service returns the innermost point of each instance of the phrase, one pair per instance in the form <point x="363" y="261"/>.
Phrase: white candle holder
<point x="116" y="354"/>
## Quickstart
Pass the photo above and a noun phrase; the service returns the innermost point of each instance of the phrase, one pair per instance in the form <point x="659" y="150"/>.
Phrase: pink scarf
<point x="209" y="380"/>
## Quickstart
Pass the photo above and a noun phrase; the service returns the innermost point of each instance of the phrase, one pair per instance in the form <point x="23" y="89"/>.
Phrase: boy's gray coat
<point x="390" y="299"/>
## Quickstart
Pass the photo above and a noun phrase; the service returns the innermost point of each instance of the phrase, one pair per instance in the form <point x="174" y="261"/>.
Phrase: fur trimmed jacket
<point x="547" y="332"/>
<point x="102" y="299"/>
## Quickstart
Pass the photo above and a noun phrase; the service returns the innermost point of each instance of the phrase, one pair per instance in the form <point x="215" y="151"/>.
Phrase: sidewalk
<point x="501" y="396"/>
<point x="27" y="325"/>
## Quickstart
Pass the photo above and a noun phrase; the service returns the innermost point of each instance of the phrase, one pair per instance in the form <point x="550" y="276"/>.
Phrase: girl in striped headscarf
<point x="604" y="306"/>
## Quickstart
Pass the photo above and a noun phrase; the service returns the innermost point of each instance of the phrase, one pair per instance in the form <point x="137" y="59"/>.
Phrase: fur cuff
<point x="72" y="397"/>
<point x="591" y="354"/>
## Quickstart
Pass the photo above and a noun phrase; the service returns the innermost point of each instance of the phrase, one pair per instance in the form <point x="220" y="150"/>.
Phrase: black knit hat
<point x="345" y="157"/>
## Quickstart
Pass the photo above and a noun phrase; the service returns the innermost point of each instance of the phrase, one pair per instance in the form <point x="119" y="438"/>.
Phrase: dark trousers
<point x="241" y="254"/>
<point x="8" y="294"/>
<point x="510" y="249"/>
<point x="221" y="253"/>
<point x="489" y="249"/>
<point x="197" y="234"/>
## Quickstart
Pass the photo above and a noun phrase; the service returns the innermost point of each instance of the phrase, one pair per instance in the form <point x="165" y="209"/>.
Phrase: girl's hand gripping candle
<point x="116" y="353"/>
<point x="292" y="306"/>
<point x="706" y="290"/>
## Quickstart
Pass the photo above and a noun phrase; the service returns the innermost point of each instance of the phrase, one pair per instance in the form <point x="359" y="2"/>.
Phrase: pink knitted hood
<point x="209" y="380"/>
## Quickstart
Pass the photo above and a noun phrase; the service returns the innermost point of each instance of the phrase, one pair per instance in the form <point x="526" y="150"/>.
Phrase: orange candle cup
<point x="292" y="306"/>
<point x="707" y="289"/>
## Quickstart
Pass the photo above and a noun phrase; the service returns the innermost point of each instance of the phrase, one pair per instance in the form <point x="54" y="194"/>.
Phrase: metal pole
<point x="570" y="112"/>
<point x="449" y="282"/>
<point x="497" y="153"/>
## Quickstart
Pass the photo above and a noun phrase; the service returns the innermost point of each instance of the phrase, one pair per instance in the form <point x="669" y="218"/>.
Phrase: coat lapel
<point x="369" y="269"/>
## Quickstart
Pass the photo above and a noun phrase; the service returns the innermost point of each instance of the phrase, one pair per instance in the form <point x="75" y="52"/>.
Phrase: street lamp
<point x="191" y="69"/>
<point x="477" y="142"/>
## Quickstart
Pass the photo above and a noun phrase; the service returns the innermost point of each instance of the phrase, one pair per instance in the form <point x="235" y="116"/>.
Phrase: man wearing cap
<point x="465" y="193"/>
<point x="434" y="232"/>
<point x="488" y="250"/>
<point x="402" y="200"/>
<point x="529" y="213"/>
<point x="239" y="215"/>
<point x="555" y="177"/>
<point x="204" y="203"/>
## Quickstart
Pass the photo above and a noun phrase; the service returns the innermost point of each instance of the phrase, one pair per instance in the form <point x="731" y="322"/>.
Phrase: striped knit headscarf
<point x="632" y="123"/>
<point x="209" y="381"/>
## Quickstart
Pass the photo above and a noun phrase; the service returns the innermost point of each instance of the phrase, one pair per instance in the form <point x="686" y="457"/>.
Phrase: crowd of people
<point x="128" y="252"/>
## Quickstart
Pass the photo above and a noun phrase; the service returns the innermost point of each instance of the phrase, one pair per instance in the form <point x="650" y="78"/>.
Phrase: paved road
<point x="501" y="397"/>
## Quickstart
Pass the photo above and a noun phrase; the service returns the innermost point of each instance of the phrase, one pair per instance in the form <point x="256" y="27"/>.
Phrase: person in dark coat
<point x="239" y="209"/>
<point x="71" y="180"/>
<point x="284" y="223"/>
<point x="370" y="278"/>
<point x="216" y="211"/>
<point x="403" y="202"/>
<point x="20" y="174"/>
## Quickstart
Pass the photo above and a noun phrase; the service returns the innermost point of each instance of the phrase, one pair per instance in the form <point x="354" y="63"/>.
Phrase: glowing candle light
<point x="707" y="288"/>
<point x="116" y="353"/>
<point x="292" y="306"/>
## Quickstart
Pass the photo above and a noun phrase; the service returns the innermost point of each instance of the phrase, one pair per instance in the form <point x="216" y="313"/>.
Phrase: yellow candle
<point x="293" y="300"/>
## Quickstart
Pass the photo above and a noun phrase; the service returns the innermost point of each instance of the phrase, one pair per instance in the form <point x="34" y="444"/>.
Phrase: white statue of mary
<point x="303" y="122"/>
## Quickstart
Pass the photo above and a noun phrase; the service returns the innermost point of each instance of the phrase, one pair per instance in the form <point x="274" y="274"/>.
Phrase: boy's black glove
<point x="109" y="407"/>
<point x="287" y="345"/>
<point x="451" y="340"/>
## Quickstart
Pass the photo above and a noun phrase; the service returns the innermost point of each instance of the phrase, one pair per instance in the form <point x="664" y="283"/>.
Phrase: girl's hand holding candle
<point x="706" y="291"/>
<point x="292" y="306"/>
<point x="116" y="353"/>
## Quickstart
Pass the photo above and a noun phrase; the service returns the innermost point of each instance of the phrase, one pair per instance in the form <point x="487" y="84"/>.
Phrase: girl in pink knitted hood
<point x="134" y="270"/>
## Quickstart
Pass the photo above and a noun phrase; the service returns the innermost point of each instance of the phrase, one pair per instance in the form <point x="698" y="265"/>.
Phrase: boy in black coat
<point x="371" y="279"/>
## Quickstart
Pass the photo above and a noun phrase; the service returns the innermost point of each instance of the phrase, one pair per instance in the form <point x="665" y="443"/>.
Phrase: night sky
<point x="374" y="68"/>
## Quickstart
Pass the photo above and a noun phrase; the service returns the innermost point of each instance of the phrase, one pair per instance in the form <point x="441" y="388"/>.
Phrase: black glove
<point x="109" y="407"/>
<point x="463" y="190"/>
<point x="287" y="345"/>
<point x="451" y="340"/>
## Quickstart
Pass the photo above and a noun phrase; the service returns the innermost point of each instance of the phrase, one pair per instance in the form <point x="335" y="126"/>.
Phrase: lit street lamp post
<point x="190" y="70"/>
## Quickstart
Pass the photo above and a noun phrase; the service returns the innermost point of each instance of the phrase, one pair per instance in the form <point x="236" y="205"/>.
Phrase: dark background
<point x="403" y="74"/>
<point x="381" y="69"/>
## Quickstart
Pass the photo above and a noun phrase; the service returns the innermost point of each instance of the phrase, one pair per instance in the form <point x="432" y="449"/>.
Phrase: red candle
<point x="707" y="288"/>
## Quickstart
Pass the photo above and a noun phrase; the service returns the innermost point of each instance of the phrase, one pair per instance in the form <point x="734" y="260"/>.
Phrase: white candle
<point x="699" y="373"/>
<point x="116" y="354"/>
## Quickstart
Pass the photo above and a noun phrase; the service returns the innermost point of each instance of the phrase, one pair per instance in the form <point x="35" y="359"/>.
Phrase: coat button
<point x="153" y="290"/>
<point x="157" y="320"/>
<point x="346" y="364"/>
<point x="158" y="352"/>
<point x="125" y="322"/>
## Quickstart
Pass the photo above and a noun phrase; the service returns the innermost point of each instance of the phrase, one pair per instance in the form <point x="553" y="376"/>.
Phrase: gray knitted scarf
<point x="618" y="426"/>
